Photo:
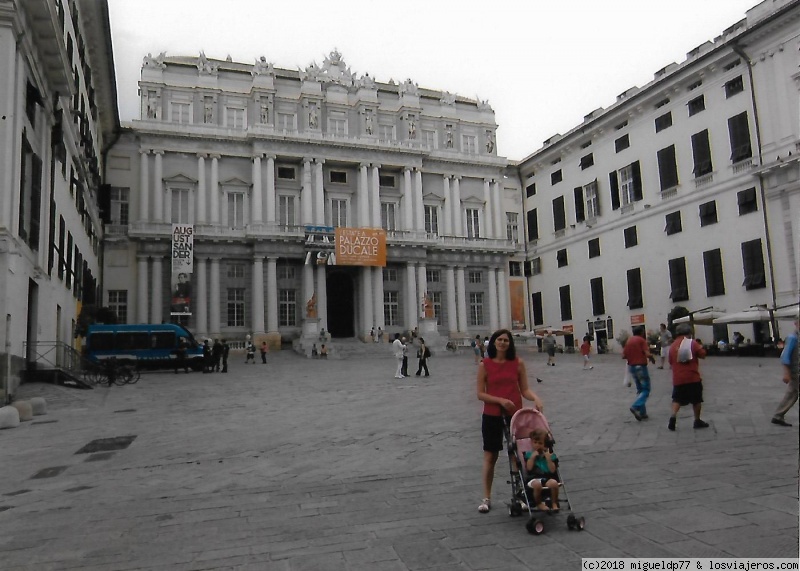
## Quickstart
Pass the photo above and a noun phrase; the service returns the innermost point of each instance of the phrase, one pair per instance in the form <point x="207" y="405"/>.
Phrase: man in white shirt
<point x="397" y="351"/>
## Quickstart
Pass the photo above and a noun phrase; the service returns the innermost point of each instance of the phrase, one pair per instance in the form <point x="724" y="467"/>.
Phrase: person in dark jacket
<point x="216" y="353"/>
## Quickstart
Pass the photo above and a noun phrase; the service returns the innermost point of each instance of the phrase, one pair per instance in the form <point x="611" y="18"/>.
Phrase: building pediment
<point x="180" y="179"/>
<point x="235" y="181"/>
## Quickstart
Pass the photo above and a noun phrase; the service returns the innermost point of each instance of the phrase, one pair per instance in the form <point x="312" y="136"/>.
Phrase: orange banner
<point x="516" y="294"/>
<point x="637" y="319"/>
<point x="361" y="247"/>
<point x="568" y="329"/>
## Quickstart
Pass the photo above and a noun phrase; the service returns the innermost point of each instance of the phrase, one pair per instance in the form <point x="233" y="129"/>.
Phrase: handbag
<point x="626" y="379"/>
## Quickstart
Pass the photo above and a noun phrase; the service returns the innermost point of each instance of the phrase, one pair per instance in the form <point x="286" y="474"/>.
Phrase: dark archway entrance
<point x="341" y="304"/>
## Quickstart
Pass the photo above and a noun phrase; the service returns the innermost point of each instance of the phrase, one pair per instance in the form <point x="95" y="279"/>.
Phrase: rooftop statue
<point x="448" y="98"/>
<point x="263" y="67"/>
<point x="157" y="62"/>
<point x="409" y="87"/>
<point x="206" y="66"/>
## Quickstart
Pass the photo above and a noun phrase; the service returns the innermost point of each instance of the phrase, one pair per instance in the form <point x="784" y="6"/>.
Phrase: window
<point x="667" y="168"/>
<point x="337" y="123"/>
<point x="664" y="121"/>
<point x="390" y="274"/>
<point x="387" y="180"/>
<point x="587" y="161"/>
<point x="566" y="303"/>
<point x="433" y="276"/>
<point x="677" y="278"/>
<point x="475" y="317"/>
<point x="475" y="277"/>
<point x="180" y="112"/>
<point x="731" y="65"/>
<point x="694" y="85"/>
<point x="701" y="153"/>
<point x="536" y="266"/>
<point x="696" y="105"/>
<point x="592" y="199"/>
<point x="68" y="266"/>
<point x="598" y="301"/>
<point x="338" y="212"/>
<point x="659" y="104"/>
<point x="32" y="98"/>
<point x="561" y="258"/>
<point x="118" y="303"/>
<point x="753" y="264"/>
<point x="530" y="190"/>
<point x="285" y="121"/>
<point x="286" y="272"/>
<point x="556" y="177"/>
<point x="339" y="177"/>
<point x="119" y="205"/>
<point x="62" y="232"/>
<point x="386" y="132"/>
<point x="30" y="196"/>
<point x="580" y="207"/>
<point x="674" y="225"/>
<point x="287" y="308"/>
<point x="515" y="269"/>
<point x="559" y="214"/>
<point x="538" y="313"/>
<point x="389" y="216"/>
<point x="235" y="270"/>
<point x="734" y="86"/>
<point x="180" y="205"/>
<point x="622" y="143"/>
<point x="390" y="308"/>
<point x="715" y="279"/>
<point x="627" y="184"/>
<point x="747" y="201"/>
<point x="594" y="247"/>
<point x="635" y="300"/>
<point x="236" y="307"/>
<point x="533" y="225"/>
<point x="236" y="210"/>
<point x="431" y="219"/>
<point x="473" y="223"/>
<point x="512" y="226"/>
<point x="708" y="213"/>
<point x="429" y="137"/>
<point x="586" y="144"/>
<point x="739" y="132"/>
<point x="621" y="126"/>
<point x="468" y="144"/>
<point x="286" y="211"/>
<point x="235" y="118"/>
<point x="286" y="173"/>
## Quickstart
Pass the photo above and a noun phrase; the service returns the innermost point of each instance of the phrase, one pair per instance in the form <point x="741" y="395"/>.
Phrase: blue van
<point x="145" y="346"/>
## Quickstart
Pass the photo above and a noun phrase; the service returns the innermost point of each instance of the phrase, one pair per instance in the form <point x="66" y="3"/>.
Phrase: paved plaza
<point x="335" y="465"/>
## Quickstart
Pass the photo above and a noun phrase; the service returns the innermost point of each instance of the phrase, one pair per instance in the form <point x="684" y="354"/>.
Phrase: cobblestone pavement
<point x="336" y="465"/>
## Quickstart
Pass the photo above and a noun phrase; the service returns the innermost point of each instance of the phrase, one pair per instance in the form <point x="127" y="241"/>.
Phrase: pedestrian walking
<point x="216" y="354"/>
<point x="404" y="367"/>
<point x="250" y="356"/>
<point x="226" y="349"/>
<point x="687" y="385"/>
<point x="637" y="354"/>
<point x="397" y="351"/>
<point x="477" y="349"/>
<point x="180" y="356"/>
<point x="264" y="350"/>
<point x="586" y="349"/>
<point x="664" y="341"/>
<point x="423" y="353"/>
<point x="207" y="358"/>
<point x="549" y="344"/>
<point x="789" y="364"/>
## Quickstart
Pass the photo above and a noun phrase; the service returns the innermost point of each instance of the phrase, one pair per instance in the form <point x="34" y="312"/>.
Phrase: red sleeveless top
<point x="502" y="380"/>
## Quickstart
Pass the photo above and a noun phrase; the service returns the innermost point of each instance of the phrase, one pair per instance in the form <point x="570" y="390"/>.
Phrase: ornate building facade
<point x="265" y="163"/>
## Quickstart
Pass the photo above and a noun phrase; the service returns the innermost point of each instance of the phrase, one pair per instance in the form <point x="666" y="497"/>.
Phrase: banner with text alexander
<point x="360" y="247"/>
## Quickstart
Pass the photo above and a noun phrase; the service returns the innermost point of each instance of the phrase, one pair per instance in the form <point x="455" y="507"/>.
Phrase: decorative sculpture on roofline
<point x="204" y="66"/>
<point x="263" y="67"/>
<point x="408" y="87"/>
<point x="448" y="98"/>
<point x="157" y="62"/>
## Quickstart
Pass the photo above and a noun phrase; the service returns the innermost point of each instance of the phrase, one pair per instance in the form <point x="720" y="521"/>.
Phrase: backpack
<point x="427" y="352"/>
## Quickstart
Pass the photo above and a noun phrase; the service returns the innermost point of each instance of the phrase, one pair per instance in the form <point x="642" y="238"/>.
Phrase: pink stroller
<point x="517" y="434"/>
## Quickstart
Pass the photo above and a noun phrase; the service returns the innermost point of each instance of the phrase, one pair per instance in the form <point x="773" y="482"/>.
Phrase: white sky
<point x="542" y="64"/>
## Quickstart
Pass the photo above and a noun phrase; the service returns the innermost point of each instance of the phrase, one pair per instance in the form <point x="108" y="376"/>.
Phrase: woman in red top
<point x="502" y="382"/>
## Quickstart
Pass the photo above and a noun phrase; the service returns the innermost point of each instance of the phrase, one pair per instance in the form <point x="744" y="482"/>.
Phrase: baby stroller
<point x="517" y="431"/>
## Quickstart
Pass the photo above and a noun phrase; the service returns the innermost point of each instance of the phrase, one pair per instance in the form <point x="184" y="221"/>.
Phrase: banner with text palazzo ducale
<point x="360" y="247"/>
<point x="182" y="249"/>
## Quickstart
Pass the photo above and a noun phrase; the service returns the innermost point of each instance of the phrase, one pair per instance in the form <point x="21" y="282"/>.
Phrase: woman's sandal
<point x="486" y="505"/>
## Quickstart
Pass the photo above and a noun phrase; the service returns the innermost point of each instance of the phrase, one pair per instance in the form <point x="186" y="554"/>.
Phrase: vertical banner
<point x="516" y="295"/>
<point x="182" y="267"/>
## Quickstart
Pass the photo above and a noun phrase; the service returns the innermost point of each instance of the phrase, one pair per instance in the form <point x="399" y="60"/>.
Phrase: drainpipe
<point x="761" y="185"/>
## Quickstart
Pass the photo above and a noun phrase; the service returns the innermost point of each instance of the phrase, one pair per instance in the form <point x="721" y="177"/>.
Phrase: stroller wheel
<point x="535" y="526"/>
<point x="571" y="520"/>
<point x="580" y="523"/>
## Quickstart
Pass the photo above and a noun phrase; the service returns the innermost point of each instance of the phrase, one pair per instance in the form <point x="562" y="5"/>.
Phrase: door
<point x="341" y="303"/>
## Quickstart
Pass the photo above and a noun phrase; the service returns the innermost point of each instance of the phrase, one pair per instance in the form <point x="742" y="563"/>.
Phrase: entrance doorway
<point x="341" y="304"/>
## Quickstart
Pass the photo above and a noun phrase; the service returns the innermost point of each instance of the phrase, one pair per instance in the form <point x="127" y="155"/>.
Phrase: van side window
<point x="132" y="341"/>
<point x="163" y="340"/>
<point x="101" y="341"/>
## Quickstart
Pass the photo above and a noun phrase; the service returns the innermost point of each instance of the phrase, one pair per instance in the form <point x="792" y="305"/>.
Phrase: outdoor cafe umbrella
<point x="752" y="315"/>
<point x="701" y="316"/>
<point x="788" y="313"/>
<point x="547" y="330"/>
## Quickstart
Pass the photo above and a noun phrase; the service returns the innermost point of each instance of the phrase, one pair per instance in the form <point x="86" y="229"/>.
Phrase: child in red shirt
<point x="586" y="349"/>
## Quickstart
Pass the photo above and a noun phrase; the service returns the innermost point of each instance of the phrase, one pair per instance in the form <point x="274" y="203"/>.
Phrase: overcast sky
<point x="542" y="65"/>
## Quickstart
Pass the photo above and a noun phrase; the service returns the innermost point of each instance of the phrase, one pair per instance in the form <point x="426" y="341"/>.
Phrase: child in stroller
<point x="542" y="464"/>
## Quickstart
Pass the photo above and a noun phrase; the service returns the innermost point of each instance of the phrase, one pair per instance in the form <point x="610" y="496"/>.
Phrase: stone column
<point x="447" y="208"/>
<point x="418" y="207"/>
<point x="458" y="215"/>
<point x="201" y="190"/>
<point x="377" y="297"/>
<point x="319" y="193"/>
<point x="488" y="211"/>
<point x="366" y="300"/>
<point x="452" y="311"/>
<point x="256" y="216"/>
<point x="142" y="312"/>
<point x="461" y="300"/>
<point x="306" y="196"/>
<point x="200" y="302"/>
<point x="363" y="198"/>
<point x="213" y="202"/>
<point x="408" y="201"/>
<point x="375" y="198"/>
<point x="499" y="211"/>
<point x="258" y="295"/>
<point x="492" y="303"/>
<point x="272" y="295"/>
<point x="214" y="299"/>
<point x="158" y="190"/>
<point x="144" y="189"/>
<point x="502" y="297"/>
<point x="412" y="306"/>
<point x="422" y="286"/>
<point x="158" y="290"/>
<point x="322" y="296"/>
<point x="308" y="288"/>
<point x="271" y="189"/>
